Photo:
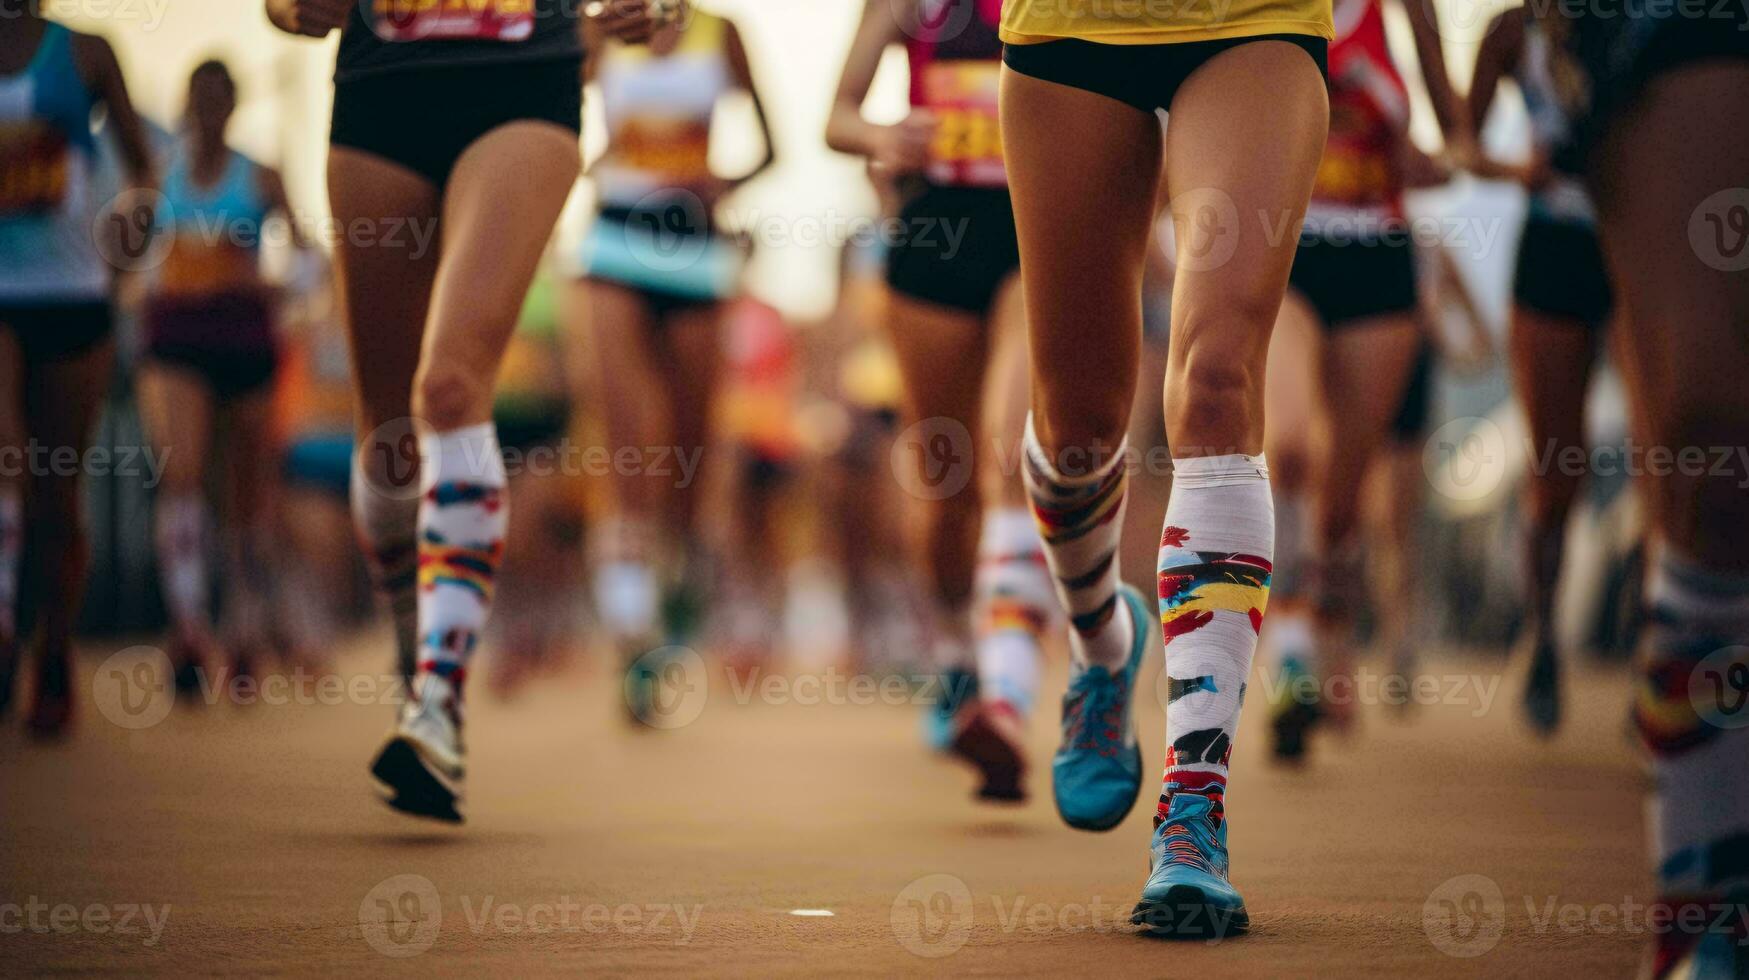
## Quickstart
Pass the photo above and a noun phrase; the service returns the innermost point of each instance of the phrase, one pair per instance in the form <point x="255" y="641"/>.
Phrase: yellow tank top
<point x="1161" y="21"/>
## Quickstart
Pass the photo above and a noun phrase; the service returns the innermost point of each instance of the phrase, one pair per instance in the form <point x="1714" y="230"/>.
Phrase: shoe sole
<point x="995" y="758"/>
<point x="1183" y="913"/>
<point x="414" y="786"/>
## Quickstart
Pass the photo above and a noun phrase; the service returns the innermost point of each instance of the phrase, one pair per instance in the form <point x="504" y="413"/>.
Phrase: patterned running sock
<point x="387" y="523"/>
<point x="1015" y="603"/>
<point x="1215" y="564"/>
<point x="1081" y="520"/>
<point x="180" y="533"/>
<point x="462" y="523"/>
<point x="1692" y="710"/>
<point x="11" y="555"/>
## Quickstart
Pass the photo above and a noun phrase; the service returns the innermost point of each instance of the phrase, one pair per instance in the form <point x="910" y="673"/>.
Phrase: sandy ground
<point x="1445" y="844"/>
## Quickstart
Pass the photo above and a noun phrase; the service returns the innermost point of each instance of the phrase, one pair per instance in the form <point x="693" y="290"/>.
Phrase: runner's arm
<point x="846" y="129"/>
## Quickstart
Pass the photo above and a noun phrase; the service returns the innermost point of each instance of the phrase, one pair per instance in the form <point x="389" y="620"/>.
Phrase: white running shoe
<point x="421" y="764"/>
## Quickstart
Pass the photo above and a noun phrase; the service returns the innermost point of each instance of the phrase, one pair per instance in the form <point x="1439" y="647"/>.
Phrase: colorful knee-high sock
<point x="180" y="533"/>
<point x="1081" y="521"/>
<point x="1015" y="603"/>
<point x="462" y="524"/>
<point x="1214" y="572"/>
<point x="387" y="525"/>
<point x="11" y="555"/>
<point x="1692" y="710"/>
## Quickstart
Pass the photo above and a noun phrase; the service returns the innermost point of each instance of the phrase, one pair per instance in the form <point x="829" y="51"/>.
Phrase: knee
<point x="448" y="397"/>
<point x="1210" y="398"/>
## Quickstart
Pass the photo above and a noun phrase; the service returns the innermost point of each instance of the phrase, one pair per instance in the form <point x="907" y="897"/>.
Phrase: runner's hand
<point x="903" y="149"/>
<point x="310" y="18"/>
<point x="634" y="21"/>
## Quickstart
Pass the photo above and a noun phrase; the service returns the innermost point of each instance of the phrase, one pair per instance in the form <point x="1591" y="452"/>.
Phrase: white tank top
<point x="47" y="244"/>
<point x="658" y="110"/>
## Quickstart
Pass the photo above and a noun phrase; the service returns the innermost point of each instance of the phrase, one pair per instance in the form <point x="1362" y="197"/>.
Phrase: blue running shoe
<point x="957" y="687"/>
<point x="1097" y="773"/>
<point x="1187" y="894"/>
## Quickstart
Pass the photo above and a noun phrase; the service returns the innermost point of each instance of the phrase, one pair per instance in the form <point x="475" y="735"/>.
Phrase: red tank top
<point x="956" y="57"/>
<point x="1369" y="110"/>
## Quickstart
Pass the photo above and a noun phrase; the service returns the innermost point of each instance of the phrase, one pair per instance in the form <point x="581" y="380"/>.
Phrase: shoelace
<point x="1102" y="703"/>
<point x="1182" y="848"/>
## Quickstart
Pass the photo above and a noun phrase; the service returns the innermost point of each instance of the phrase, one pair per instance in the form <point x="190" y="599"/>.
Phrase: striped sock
<point x="1081" y="520"/>
<point x="1015" y="603"/>
<point x="1214" y="584"/>
<point x="180" y="540"/>
<point x="11" y="555"/>
<point x="387" y="526"/>
<point x="1692" y="710"/>
<point x="462" y="523"/>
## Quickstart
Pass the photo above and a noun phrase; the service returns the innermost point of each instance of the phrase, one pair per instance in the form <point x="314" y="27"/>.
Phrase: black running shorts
<point x="1349" y="281"/>
<point x="424" y="119"/>
<point x="1146" y="76"/>
<point x="957" y="248"/>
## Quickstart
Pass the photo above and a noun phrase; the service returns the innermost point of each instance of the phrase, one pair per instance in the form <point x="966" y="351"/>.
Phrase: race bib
<point x="675" y="150"/>
<point x="33" y="169"/>
<point x="967" y="151"/>
<point x="453" y="20"/>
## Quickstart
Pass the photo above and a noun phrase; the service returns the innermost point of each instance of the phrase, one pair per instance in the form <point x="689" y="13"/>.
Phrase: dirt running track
<point x="602" y="850"/>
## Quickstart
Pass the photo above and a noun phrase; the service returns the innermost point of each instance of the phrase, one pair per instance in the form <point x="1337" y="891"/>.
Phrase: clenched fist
<point x="311" y="18"/>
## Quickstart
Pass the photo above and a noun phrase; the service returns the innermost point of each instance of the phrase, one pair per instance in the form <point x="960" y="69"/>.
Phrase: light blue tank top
<point x="47" y="245"/>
